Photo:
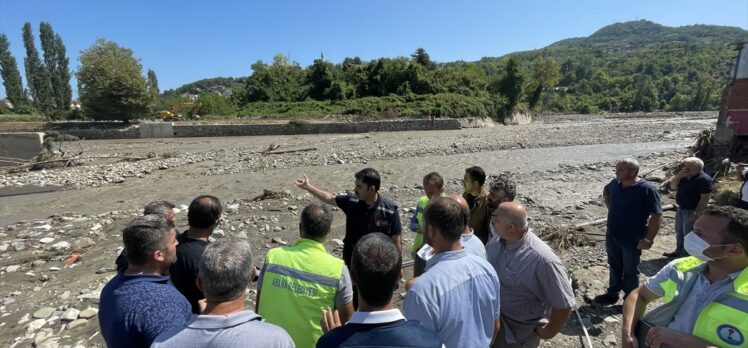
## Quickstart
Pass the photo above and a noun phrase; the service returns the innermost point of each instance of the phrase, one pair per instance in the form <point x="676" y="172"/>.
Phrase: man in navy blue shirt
<point x="694" y="188"/>
<point x="634" y="217"/>
<point x="376" y="269"/>
<point x="139" y="304"/>
<point x="366" y="211"/>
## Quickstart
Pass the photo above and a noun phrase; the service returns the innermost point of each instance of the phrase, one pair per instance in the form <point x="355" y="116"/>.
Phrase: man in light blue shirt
<point x="458" y="296"/>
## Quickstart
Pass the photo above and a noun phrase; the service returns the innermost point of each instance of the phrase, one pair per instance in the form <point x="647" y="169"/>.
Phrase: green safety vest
<point x="418" y="242"/>
<point x="299" y="281"/>
<point x="722" y="322"/>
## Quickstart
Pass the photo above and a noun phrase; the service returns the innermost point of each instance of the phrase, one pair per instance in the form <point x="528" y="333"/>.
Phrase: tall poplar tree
<point x="11" y="77"/>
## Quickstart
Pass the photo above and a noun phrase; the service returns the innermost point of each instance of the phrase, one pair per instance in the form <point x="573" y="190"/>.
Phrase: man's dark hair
<point x="737" y="228"/>
<point x="158" y="207"/>
<point x="436" y="178"/>
<point x="504" y="186"/>
<point x="315" y="222"/>
<point x="144" y="235"/>
<point x="204" y="211"/>
<point x="375" y="267"/>
<point x="477" y="174"/>
<point x="370" y="177"/>
<point x="447" y="216"/>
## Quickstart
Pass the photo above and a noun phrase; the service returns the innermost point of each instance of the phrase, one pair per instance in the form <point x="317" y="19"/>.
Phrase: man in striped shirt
<point x="533" y="281"/>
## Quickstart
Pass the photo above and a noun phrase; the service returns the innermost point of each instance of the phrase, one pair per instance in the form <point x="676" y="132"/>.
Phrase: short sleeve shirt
<point x="184" y="271"/>
<point x="690" y="190"/>
<point x="533" y="280"/>
<point x="701" y="293"/>
<point x="360" y="220"/>
<point x="630" y="208"/>
<point x="458" y="297"/>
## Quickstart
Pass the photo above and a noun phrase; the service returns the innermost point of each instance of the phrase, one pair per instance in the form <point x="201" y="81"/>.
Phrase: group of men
<point x="481" y="276"/>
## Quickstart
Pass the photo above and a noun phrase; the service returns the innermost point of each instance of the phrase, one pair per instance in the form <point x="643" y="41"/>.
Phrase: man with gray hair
<point x="138" y="305"/>
<point x="534" y="282"/>
<point x="634" y="217"/>
<point x="694" y="188"/>
<point x="225" y="272"/>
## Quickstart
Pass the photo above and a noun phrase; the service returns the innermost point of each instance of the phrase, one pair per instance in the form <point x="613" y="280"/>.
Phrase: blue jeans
<point x="682" y="228"/>
<point x="623" y="259"/>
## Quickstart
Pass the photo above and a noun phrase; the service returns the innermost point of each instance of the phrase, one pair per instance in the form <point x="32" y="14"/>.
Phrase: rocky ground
<point x="57" y="249"/>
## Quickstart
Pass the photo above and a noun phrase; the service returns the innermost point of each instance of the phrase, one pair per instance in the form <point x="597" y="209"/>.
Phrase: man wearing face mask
<point x="502" y="189"/>
<point x="705" y="295"/>
<point x="203" y="216"/>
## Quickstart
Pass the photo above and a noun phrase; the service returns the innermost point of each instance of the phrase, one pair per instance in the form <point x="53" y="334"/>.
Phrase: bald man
<point x="533" y="281"/>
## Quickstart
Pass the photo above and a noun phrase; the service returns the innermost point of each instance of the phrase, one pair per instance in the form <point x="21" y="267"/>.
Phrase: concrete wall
<point x="116" y="130"/>
<point x="314" y="128"/>
<point x="20" y="145"/>
<point x="156" y="130"/>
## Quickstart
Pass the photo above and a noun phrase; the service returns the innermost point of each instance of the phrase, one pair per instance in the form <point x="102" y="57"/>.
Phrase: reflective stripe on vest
<point x="724" y="321"/>
<point x="298" y="282"/>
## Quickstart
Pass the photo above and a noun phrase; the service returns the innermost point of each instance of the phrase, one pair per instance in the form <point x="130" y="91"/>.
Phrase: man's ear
<point x="159" y="255"/>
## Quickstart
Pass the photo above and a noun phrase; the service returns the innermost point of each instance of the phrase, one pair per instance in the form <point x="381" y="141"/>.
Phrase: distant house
<point x="6" y="102"/>
<point x="193" y="97"/>
<point x="75" y="105"/>
<point x="561" y="89"/>
<point x="220" y="90"/>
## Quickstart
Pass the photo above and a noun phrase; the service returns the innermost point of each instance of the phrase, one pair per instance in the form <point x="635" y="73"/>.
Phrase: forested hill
<point x="643" y="33"/>
<point x="623" y="67"/>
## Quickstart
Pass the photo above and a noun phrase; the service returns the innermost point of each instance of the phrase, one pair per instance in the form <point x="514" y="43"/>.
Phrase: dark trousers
<point x="623" y="259"/>
<point x="419" y="266"/>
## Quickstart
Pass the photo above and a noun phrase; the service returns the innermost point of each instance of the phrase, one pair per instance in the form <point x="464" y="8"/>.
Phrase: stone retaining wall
<point x="116" y="130"/>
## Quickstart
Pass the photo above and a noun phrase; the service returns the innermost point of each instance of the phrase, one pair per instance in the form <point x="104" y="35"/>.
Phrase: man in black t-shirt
<point x="694" y="188"/>
<point x="366" y="211"/>
<point x="203" y="216"/>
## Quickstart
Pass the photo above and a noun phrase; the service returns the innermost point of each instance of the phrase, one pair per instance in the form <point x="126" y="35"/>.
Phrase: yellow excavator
<point x="176" y="111"/>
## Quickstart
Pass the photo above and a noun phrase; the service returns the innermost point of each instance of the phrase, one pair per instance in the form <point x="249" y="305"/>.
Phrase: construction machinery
<point x="729" y="142"/>
<point x="176" y="112"/>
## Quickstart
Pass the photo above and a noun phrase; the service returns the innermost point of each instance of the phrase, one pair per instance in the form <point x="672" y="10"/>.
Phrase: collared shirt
<point x="690" y="190"/>
<point x="458" y="297"/>
<point x="472" y="244"/>
<point x="240" y="329"/>
<point x="630" y="208"/>
<point x="533" y="280"/>
<point x="701" y="294"/>
<point x="387" y="328"/>
<point x="377" y="317"/>
<point x="134" y="309"/>
<point x="361" y="219"/>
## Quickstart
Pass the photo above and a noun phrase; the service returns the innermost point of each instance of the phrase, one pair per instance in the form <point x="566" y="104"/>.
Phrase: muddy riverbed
<point x="559" y="163"/>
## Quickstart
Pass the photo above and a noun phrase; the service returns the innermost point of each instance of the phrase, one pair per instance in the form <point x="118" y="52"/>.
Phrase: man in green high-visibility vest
<point x="433" y="186"/>
<point x="705" y="294"/>
<point x="301" y="280"/>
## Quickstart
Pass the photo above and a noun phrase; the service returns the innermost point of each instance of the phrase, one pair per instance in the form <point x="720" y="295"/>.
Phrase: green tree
<point x="12" y="77"/>
<point x="152" y="86"/>
<point x="214" y="104"/>
<point x="56" y="61"/>
<point x="545" y="74"/>
<point x="511" y="84"/>
<point x="110" y="83"/>
<point x="319" y="79"/>
<point x="37" y="75"/>
<point x="281" y="81"/>
<point x="422" y="58"/>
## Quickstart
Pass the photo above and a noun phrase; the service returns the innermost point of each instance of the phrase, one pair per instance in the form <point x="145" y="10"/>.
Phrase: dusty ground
<point x="560" y="164"/>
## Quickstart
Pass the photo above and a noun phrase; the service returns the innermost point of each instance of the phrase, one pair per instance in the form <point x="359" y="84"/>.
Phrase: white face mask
<point x="696" y="246"/>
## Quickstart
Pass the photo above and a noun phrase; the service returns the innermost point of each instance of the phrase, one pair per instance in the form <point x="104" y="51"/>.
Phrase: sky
<point x="184" y="41"/>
